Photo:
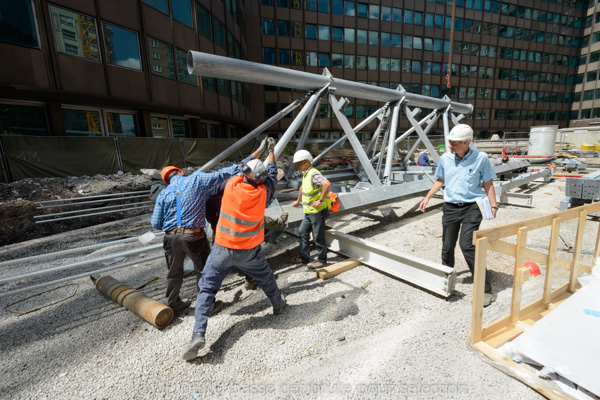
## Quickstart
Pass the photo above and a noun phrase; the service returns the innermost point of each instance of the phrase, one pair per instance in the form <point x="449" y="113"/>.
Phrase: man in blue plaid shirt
<point x="180" y="212"/>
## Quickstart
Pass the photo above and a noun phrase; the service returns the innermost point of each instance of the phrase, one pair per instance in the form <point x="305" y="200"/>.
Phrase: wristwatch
<point x="495" y="207"/>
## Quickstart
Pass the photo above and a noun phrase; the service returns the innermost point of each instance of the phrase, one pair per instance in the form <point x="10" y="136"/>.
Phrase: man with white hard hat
<point x="315" y="199"/>
<point x="239" y="234"/>
<point x="462" y="171"/>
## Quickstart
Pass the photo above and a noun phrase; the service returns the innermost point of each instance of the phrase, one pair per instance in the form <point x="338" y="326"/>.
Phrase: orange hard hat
<point x="534" y="269"/>
<point x="166" y="171"/>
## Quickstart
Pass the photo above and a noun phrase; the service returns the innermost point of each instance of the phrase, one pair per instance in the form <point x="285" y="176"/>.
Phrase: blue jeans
<point x="220" y="262"/>
<point x="316" y="223"/>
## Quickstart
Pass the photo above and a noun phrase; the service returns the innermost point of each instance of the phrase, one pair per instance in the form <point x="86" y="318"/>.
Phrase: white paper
<point x="485" y="208"/>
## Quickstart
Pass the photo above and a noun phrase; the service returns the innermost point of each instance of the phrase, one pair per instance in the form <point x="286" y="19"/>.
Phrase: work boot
<point x="316" y="265"/>
<point x="488" y="298"/>
<point x="195" y="345"/>
<point x="277" y="311"/>
<point x="250" y="284"/>
<point x="298" y="260"/>
<point x="181" y="306"/>
<point x="216" y="307"/>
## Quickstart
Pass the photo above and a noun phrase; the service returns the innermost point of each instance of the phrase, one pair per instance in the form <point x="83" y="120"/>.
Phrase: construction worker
<point x="462" y="172"/>
<point x="423" y="160"/>
<point x="180" y="212"/>
<point x="315" y="199"/>
<point x="238" y="237"/>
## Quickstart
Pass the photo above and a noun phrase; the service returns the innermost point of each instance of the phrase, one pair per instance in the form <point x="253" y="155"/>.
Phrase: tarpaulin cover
<point x="199" y="151"/>
<point x="43" y="157"/>
<point x="153" y="153"/>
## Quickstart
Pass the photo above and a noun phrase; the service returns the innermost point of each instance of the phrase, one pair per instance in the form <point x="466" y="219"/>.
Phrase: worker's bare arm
<point x="436" y="186"/>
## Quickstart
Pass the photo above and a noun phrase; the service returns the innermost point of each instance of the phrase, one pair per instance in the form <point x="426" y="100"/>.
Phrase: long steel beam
<point x="214" y="66"/>
<point x="427" y="274"/>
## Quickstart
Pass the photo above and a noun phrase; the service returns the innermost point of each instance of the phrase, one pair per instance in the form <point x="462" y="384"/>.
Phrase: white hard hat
<point x="302" y="155"/>
<point x="460" y="133"/>
<point x="255" y="169"/>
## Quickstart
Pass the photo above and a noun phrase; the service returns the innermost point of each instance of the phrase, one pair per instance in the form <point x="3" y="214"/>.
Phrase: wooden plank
<point x="551" y="260"/>
<point x="524" y="375"/>
<point x="577" y="251"/>
<point x="481" y="248"/>
<point x="521" y="276"/>
<point x="519" y="262"/>
<point x="533" y="307"/>
<point x="337" y="268"/>
<point x="597" y="248"/>
<point x="534" y="223"/>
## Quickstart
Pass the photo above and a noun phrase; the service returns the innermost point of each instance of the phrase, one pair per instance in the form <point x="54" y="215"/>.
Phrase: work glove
<point x="271" y="144"/>
<point x="263" y="145"/>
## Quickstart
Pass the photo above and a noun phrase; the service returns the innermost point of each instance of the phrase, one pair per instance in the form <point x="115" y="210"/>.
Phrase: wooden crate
<point x="487" y="339"/>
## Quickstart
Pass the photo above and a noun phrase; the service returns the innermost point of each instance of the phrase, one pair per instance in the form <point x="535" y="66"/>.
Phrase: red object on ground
<point x="534" y="270"/>
<point x="566" y="176"/>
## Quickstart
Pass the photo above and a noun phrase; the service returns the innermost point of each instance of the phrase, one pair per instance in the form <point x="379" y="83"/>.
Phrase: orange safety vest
<point x="242" y="215"/>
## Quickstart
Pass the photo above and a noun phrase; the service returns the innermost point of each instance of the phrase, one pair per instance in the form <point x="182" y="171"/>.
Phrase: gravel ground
<point x="335" y="340"/>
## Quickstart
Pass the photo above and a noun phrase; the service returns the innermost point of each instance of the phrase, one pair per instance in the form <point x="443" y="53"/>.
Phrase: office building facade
<point x="118" y="67"/>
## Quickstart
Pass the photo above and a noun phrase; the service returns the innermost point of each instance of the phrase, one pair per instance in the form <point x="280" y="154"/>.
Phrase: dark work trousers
<point x="316" y="223"/>
<point x="221" y="261"/>
<point x="465" y="218"/>
<point x="177" y="246"/>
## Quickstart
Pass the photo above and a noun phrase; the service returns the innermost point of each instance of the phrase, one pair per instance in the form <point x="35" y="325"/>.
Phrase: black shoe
<point x="277" y="311"/>
<point x="250" y="284"/>
<point x="216" y="307"/>
<point x="195" y="345"/>
<point x="488" y="299"/>
<point x="298" y="260"/>
<point x="181" y="306"/>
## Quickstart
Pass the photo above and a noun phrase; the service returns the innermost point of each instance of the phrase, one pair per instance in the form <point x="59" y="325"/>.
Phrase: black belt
<point x="461" y="204"/>
<point x="185" y="230"/>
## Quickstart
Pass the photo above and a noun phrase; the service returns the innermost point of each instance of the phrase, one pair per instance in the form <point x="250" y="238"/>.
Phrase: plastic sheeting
<point x="153" y="153"/>
<point x="199" y="151"/>
<point x="44" y="157"/>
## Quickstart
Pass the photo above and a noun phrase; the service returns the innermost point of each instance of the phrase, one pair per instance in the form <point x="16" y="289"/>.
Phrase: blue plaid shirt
<point x="194" y="192"/>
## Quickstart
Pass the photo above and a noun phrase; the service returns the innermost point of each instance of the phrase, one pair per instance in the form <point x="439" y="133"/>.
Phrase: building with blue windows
<point x="118" y="67"/>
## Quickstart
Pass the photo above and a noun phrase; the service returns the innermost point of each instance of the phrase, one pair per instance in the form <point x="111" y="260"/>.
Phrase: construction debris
<point x="337" y="268"/>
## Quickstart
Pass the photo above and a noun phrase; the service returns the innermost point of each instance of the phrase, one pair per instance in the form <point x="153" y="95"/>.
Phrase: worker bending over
<point x="238" y="237"/>
<point x="315" y="199"/>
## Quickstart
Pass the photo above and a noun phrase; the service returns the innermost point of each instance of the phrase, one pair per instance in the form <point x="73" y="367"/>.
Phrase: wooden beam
<point x="481" y="248"/>
<point x="337" y="268"/>
<point x="551" y="260"/>
<point x="577" y="251"/>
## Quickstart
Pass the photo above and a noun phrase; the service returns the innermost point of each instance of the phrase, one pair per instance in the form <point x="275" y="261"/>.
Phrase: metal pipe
<point x="248" y="137"/>
<point x="90" y="209"/>
<point x="95" y="201"/>
<point x="92" y="197"/>
<point x="72" y="277"/>
<point x="79" y="263"/>
<point x="70" y="251"/>
<point x="154" y="312"/>
<point x="214" y="66"/>
<point x="280" y="146"/>
<point x="92" y="214"/>
<point x="392" y="142"/>
<point x="344" y="138"/>
<point x="446" y="131"/>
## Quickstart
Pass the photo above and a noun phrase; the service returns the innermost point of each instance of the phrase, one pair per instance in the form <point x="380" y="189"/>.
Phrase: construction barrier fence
<point x="47" y="157"/>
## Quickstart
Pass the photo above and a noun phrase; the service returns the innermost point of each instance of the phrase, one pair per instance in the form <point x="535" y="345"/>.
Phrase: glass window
<point x="337" y="34"/>
<point x="349" y="35"/>
<point x="408" y="16"/>
<point x="284" y="57"/>
<point x="418" y="43"/>
<point x="591" y="76"/>
<point x="337" y="7"/>
<point x="267" y="26"/>
<point x="373" y="63"/>
<point x="386" y="13"/>
<point x="361" y="111"/>
<point x="218" y="33"/>
<point x="385" y="39"/>
<point x="17" y="23"/>
<point x="160" y="5"/>
<point x="223" y="87"/>
<point x="395" y="65"/>
<point x="349" y="8"/>
<point x="119" y="124"/>
<point x="337" y="60"/>
<point x="361" y="36"/>
<point x="397" y="14"/>
<point x="311" y="58"/>
<point x="311" y="31"/>
<point x="209" y="84"/>
<point x="23" y="120"/>
<point x="384" y="64"/>
<point x="121" y="47"/>
<point x="181" y="127"/>
<point x="282" y="3"/>
<point x="203" y="21"/>
<point x="182" y="11"/>
<point x="74" y="34"/>
<point x="324" y="111"/>
<point x="324" y="6"/>
<point x="373" y="11"/>
<point x="416" y="67"/>
<point x="348" y="61"/>
<point x="283" y="28"/>
<point x="363" y="10"/>
<point x="361" y="62"/>
<point x="160" y="127"/>
<point x="298" y="57"/>
<point x="323" y="32"/>
<point x="374" y="38"/>
<point x="82" y="122"/>
<point x="182" y="72"/>
<point x="268" y="55"/>
<point x="418" y="19"/>
<point x="349" y="111"/>
<point x="324" y="60"/>
<point x="407" y="42"/>
<point x="161" y="60"/>
<point x="396" y="40"/>
<point x="311" y="5"/>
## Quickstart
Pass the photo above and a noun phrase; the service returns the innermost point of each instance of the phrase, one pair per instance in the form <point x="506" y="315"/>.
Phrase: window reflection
<point x="182" y="11"/>
<point x="17" y="23"/>
<point x="74" y="34"/>
<point x="82" y="122"/>
<point x="160" y="127"/>
<point x="182" y="71"/>
<point x="161" y="59"/>
<point x="23" y="120"/>
<point x="160" y="5"/>
<point x="118" y="124"/>
<point x="121" y="47"/>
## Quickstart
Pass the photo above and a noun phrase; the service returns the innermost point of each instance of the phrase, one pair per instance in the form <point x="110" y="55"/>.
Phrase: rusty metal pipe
<point x="155" y="312"/>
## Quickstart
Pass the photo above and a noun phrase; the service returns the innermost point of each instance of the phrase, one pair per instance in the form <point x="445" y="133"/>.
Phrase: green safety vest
<point x="310" y="194"/>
